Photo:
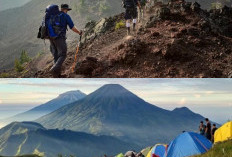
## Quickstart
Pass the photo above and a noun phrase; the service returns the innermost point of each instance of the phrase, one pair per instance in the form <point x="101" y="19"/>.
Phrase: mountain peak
<point x="27" y="124"/>
<point x="112" y="90"/>
<point x="182" y="110"/>
<point x="113" y="86"/>
<point x="73" y="92"/>
<point x="20" y="127"/>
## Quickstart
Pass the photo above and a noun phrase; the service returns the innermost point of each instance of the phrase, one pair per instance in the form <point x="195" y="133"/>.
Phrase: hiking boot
<point x="55" y="73"/>
<point x="128" y="30"/>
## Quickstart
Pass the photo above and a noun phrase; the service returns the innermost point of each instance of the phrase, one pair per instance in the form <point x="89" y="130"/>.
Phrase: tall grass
<point x="223" y="149"/>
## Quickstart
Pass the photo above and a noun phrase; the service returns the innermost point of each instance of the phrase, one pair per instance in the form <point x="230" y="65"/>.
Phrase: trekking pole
<point x="77" y="50"/>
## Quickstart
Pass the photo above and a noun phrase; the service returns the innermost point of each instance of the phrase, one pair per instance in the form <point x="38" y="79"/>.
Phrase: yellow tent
<point x="120" y="155"/>
<point x="149" y="153"/>
<point x="223" y="133"/>
<point x="146" y="150"/>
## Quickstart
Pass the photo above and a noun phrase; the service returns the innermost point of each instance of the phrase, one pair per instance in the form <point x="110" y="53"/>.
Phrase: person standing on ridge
<point x="131" y="13"/>
<point x="202" y="128"/>
<point x="208" y="129"/>
<point x="58" y="45"/>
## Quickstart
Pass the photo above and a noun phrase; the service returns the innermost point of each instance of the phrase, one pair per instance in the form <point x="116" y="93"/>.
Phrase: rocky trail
<point x="177" y="39"/>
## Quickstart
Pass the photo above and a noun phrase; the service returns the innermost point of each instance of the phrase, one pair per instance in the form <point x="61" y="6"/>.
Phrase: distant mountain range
<point x="8" y="4"/>
<point x="29" y="137"/>
<point x="41" y="110"/>
<point x="114" y="111"/>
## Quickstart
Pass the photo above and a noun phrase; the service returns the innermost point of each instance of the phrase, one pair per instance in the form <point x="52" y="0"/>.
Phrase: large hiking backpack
<point x="51" y="26"/>
<point x="129" y="4"/>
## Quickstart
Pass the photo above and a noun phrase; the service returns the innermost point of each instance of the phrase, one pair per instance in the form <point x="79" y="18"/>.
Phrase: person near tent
<point x="213" y="132"/>
<point x="208" y="129"/>
<point x="58" y="46"/>
<point x="202" y="128"/>
<point x="131" y="13"/>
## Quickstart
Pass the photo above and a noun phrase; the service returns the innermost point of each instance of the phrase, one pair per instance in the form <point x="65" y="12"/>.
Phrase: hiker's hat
<point x="65" y="6"/>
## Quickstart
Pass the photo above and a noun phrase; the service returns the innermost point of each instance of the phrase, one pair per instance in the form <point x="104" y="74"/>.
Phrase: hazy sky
<point x="210" y="97"/>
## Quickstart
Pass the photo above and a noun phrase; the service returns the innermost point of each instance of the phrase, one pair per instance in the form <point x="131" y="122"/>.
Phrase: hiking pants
<point x="58" y="49"/>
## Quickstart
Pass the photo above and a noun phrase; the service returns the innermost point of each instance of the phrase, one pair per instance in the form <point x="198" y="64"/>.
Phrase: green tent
<point x="120" y="155"/>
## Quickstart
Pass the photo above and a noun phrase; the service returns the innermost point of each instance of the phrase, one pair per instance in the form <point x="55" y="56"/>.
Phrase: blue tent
<point x="159" y="150"/>
<point x="188" y="144"/>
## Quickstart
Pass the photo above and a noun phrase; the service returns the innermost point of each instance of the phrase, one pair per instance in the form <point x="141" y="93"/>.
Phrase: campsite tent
<point x="146" y="151"/>
<point x="188" y="144"/>
<point x="120" y="155"/>
<point x="159" y="150"/>
<point x="223" y="133"/>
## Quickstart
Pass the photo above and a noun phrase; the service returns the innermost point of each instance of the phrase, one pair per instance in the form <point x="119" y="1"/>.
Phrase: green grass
<point x="219" y="150"/>
<point x="120" y="24"/>
<point x="4" y="75"/>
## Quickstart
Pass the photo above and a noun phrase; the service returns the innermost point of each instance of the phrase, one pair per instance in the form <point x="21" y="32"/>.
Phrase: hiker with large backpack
<point x="54" y="28"/>
<point x="131" y="13"/>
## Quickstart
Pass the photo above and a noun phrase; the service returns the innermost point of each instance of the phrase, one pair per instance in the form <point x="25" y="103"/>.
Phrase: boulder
<point x="195" y="6"/>
<point x="94" y="29"/>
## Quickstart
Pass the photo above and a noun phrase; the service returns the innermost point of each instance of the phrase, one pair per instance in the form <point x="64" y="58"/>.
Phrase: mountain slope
<point x="7" y="4"/>
<point x="53" y="142"/>
<point x="115" y="111"/>
<point x="52" y="105"/>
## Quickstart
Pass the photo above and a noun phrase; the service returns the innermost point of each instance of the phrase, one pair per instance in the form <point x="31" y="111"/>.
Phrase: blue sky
<point x="210" y="97"/>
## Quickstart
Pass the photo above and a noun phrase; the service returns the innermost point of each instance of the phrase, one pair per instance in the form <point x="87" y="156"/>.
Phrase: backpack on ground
<point x="51" y="26"/>
<point x="129" y="4"/>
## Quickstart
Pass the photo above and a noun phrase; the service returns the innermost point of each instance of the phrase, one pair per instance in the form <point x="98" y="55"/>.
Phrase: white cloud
<point x="197" y="95"/>
<point x="1" y="101"/>
<point x="182" y="101"/>
<point x="209" y="92"/>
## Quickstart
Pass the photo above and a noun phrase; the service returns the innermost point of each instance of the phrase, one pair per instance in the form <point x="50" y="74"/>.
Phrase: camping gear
<point x="120" y="155"/>
<point x="130" y="154"/>
<point x="188" y="144"/>
<point x="50" y="28"/>
<point x="146" y="151"/>
<point x="159" y="150"/>
<point x="129" y="4"/>
<point x="77" y="51"/>
<point x="223" y="133"/>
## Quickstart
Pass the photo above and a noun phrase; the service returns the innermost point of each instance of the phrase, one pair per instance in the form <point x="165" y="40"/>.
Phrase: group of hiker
<point x="57" y="20"/>
<point x="207" y="129"/>
<point x="131" y="12"/>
